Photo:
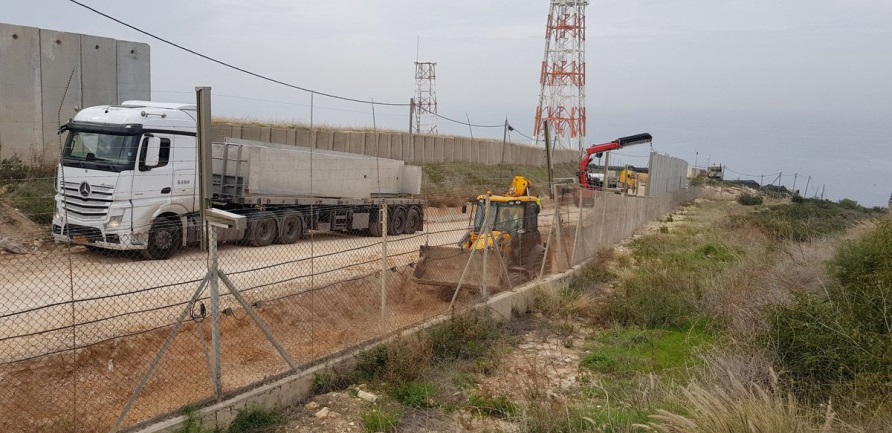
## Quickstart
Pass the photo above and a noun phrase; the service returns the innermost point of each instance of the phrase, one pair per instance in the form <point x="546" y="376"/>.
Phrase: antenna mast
<point x="562" y="78"/>
<point x="425" y="98"/>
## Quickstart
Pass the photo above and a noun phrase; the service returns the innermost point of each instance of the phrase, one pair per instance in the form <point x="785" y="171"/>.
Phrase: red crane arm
<point x="619" y="143"/>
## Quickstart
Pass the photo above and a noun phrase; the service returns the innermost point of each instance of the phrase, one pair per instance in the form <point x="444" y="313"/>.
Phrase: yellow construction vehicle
<point x="501" y="249"/>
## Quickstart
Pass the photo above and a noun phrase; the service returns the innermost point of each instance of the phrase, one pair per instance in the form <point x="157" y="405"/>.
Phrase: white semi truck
<point x="128" y="180"/>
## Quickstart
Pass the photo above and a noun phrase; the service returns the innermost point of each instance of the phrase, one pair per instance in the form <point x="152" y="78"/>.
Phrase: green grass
<point x="627" y="352"/>
<point x="380" y="420"/>
<point x="34" y="199"/>
<point x="254" y="420"/>
<point x="193" y="423"/>
<point x="498" y="406"/>
<point x="416" y="394"/>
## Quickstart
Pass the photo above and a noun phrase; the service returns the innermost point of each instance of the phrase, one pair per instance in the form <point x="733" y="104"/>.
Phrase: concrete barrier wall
<point x="46" y="74"/>
<point x="414" y="149"/>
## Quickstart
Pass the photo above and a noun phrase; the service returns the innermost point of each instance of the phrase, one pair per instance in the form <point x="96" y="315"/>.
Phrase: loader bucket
<point x="444" y="266"/>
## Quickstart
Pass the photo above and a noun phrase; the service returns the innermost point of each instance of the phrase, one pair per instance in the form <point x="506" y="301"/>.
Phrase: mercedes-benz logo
<point x="84" y="189"/>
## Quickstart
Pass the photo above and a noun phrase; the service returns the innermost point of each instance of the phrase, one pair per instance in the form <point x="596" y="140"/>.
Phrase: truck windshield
<point x="100" y="151"/>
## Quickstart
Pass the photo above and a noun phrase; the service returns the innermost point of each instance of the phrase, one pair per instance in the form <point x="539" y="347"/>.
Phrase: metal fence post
<point x="383" y="222"/>
<point x="484" y="289"/>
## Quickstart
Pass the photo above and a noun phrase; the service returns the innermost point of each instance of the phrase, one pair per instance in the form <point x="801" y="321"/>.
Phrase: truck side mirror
<point x="153" y="151"/>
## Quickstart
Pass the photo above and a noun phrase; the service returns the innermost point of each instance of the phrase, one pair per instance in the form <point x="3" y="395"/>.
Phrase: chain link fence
<point x="98" y="339"/>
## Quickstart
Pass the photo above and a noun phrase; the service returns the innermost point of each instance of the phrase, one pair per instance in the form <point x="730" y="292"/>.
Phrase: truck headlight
<point x="114" y="222"/>
<point x="57" y="215"/>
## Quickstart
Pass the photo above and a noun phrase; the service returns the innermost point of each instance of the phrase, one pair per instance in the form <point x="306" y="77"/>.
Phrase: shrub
<point x="836" y="344"/>
<point x="397" y="362"/>
<point x="329" y="380"/>
<point x="12" y="169"/>
<point x="749" y="199"/>
<point x="466" y="336"/>
<point x="808" y="220"/>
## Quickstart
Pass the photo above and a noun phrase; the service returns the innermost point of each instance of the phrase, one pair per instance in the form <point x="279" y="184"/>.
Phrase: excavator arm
<point x="520" y="187"/>
<point x="598" y="149"/>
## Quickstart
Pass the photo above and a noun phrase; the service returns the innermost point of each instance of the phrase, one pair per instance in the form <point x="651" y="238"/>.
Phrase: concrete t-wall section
<point x="21" y="107"/>
<point x="134" y="72"/>
<point x="45" y="74"/>
<point x="414" y="148"/>
<point x="60" y="77"/>
<point x="99" y="82"/>
<point x="666" y="174"/>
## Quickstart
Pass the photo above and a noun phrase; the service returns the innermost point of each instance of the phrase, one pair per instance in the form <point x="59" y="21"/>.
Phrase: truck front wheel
<point x="262" y="230"/>
<point x="164" y="239"/>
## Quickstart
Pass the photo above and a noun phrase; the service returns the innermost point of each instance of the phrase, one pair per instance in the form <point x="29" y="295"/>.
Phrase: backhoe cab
<point x="503" y="229"/>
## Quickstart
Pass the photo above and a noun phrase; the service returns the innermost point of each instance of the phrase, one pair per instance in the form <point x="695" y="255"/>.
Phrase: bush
<point x="807" y="220"/>
<point x="12" y="169"/>
<point x="836" y="344"/>
<point x="466" y="336"/>
<point x="749" y="199"/>
<point x="398" y="362"/>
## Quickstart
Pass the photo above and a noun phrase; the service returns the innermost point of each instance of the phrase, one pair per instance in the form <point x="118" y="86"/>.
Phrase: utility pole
<point x="470" y="131"/>
<point x="548" y="165"/>
<point x="504" y="141"/>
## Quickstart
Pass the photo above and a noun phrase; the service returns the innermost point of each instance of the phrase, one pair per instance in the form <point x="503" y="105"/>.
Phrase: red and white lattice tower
<point x="562" y="80"/>
<point x="425" y="98"/>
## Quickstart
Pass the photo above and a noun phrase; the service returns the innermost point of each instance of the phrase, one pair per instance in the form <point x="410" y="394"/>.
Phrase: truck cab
<point x="127" y="176"/>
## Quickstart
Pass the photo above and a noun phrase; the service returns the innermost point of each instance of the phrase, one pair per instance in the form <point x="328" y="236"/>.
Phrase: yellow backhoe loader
<point x="501" y="249"/>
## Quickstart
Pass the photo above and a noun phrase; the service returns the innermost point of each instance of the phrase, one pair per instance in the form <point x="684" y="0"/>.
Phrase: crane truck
<point x="128" y="180"/>
<point x="586" y="179"/>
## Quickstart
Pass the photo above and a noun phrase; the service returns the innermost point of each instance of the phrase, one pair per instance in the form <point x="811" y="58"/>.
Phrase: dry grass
<point x="733" y="405"/>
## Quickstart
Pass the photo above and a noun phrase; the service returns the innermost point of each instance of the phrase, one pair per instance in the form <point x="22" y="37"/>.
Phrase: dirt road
<point x="120" y="293"/>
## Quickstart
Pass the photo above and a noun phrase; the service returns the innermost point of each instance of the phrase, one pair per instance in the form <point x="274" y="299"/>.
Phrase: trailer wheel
<point x="397" y="222"/>
<point x="413" y="220"/>
<point x="292" y="229"/>
<point x="261" y="231"/>
<point x="375" y="227"/>
<point x="164" y="239"/>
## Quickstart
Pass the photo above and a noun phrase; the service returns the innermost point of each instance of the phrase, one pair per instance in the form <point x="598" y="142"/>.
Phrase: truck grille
<point x="92" y="206"/>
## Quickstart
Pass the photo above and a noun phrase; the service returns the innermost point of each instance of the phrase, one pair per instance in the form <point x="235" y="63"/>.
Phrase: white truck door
<point x="152" y="186"/>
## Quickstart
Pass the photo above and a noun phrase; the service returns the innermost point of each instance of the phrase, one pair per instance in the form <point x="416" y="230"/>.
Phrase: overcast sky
<point x="763" y="86"/>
